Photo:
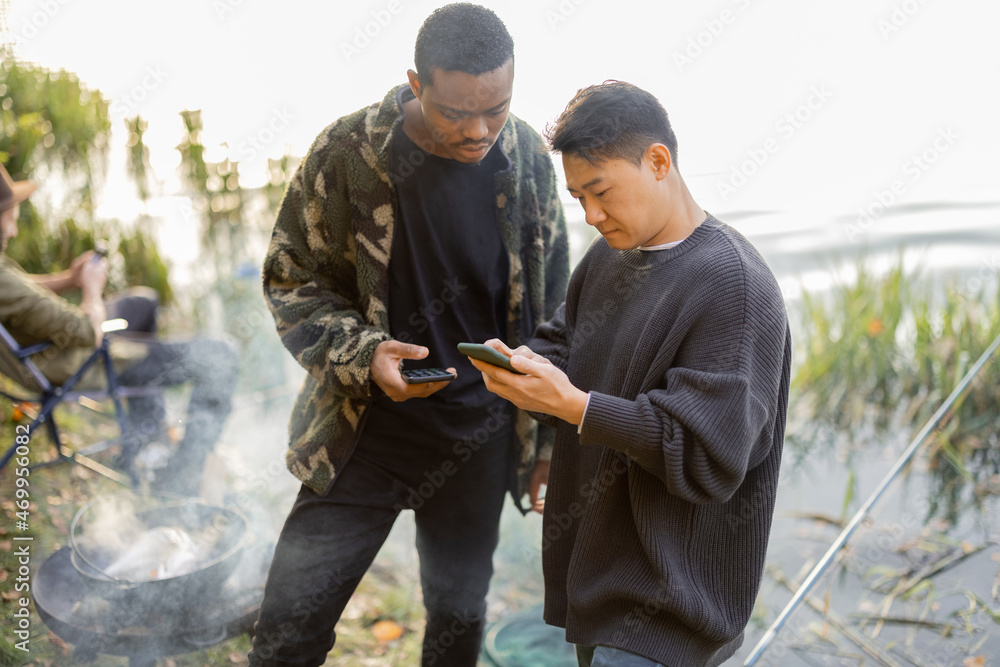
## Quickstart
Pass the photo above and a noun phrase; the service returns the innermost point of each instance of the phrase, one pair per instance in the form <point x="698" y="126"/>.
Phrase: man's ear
<point x="414" y="83"/>
<point x="658" y="156"/>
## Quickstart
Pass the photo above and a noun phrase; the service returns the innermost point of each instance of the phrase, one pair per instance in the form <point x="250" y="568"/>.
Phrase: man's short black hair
<point x="463" y="37"/>
<point x="612" y="120"/>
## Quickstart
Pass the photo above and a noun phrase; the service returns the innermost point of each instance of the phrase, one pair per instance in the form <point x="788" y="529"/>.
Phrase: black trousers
<point x="328" y="543"/>
<point x="211" y="366"/>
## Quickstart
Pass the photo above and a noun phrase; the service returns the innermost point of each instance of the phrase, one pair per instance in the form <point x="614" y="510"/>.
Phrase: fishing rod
<point x="904" y="458"/>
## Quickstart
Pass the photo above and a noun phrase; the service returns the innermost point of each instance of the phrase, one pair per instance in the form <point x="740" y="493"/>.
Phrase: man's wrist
<point x="91" y="297"/>
<point x="93" y="308"/>
<point x="575" y="406"/>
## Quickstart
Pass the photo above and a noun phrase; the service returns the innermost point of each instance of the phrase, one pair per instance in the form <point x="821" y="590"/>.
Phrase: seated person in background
<point x="666" y="375"/>
<point x="32" y="311"/>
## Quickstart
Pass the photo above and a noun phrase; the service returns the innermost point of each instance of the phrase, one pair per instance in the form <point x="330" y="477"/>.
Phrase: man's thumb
<point x="520" y="363"/>
<point x="407" y="351"/>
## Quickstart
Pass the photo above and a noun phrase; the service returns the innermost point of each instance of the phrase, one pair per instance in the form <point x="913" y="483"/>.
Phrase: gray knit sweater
<point x="658" y="513"/>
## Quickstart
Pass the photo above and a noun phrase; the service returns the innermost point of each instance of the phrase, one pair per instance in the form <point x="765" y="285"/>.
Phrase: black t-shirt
<point x="448" y="277"/>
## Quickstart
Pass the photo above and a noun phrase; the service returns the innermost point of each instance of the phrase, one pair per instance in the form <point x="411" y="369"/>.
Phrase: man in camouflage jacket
<point x="482" y="202"/>
<point x="325" y="277"/>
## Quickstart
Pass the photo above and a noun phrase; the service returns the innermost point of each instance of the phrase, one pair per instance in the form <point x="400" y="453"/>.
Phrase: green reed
<point x="878" y="356"/>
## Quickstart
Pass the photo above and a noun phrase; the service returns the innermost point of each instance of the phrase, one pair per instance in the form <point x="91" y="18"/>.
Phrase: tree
<point x="56" y="131"/>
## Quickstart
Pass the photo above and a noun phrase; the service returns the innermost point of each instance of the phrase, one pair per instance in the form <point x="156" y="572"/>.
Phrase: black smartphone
<point x="487" y="354"/>
<point x="421" y="375"/>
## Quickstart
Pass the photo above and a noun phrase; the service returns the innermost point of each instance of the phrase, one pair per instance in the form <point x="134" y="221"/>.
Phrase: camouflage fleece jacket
<point x="325" y="277"/>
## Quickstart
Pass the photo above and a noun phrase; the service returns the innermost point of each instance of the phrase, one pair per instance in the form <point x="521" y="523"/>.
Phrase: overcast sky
<point x="810" y="106"/>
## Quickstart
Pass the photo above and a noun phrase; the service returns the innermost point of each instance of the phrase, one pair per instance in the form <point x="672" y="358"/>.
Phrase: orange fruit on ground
<point x="386" y="631"/>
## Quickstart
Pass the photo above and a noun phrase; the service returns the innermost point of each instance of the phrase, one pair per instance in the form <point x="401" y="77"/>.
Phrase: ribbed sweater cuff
<point x="615" y="423"/>
<point x="555" y="610"/>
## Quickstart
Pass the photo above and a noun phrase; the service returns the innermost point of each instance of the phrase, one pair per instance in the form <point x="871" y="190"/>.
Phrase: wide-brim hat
<point x="13" y="192"/>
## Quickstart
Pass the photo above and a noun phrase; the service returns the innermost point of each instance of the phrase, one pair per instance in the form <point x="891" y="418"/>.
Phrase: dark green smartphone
<point x="487" y="354"/>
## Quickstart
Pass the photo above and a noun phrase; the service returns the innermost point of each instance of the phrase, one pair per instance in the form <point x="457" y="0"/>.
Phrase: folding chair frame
<point x="53" y="395"/>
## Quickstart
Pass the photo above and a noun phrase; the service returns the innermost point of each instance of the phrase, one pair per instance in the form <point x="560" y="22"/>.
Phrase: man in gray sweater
<point x="666" y="374"/>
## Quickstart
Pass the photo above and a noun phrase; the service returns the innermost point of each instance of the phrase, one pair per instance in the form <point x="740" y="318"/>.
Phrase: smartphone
<point x="421" y="375"/>
<point x="487" y="354"/>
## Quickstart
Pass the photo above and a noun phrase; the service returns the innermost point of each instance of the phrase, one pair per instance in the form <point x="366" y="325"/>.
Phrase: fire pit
<point x="148" y="618"/>
<point x="156" y="550"/>
<point x="71" y="609"/>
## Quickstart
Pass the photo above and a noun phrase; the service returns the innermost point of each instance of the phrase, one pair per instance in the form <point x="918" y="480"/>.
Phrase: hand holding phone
<point x="545" y="388"/>
<point x="488" y="355"/>
<point x="385" y="371"/>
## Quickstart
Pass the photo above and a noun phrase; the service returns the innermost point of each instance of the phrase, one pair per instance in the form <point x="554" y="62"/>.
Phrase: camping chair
<point x="15" y="363"/>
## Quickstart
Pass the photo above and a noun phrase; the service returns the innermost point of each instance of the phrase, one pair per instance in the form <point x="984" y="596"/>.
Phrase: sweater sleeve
<point x="312" y="296"/>
<point x="712" y="417"/>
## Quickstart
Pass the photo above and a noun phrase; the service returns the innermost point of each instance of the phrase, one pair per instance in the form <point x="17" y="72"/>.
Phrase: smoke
<point x="108" y="526"/>
<point x="139" y="539"/>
